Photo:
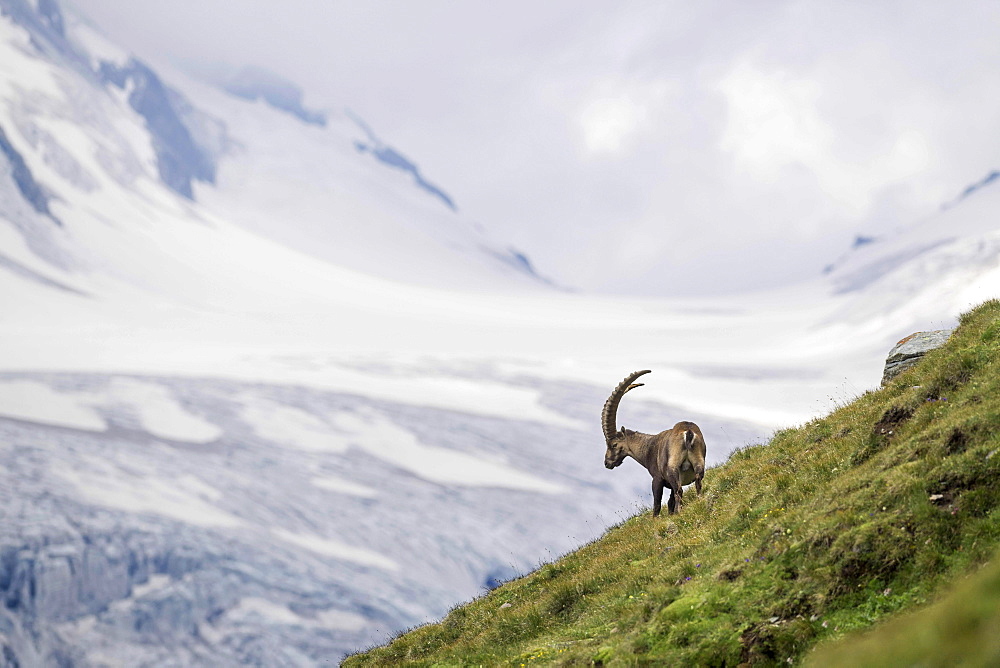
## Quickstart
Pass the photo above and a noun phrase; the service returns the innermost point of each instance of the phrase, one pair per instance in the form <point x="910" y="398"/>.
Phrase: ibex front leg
<point x="658" y="496"/>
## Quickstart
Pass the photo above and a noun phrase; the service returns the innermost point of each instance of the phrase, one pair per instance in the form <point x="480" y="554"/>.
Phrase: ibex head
<point x="614" y="437"/>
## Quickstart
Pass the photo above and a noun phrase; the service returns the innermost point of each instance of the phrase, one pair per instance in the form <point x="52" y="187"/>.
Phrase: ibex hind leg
<point x="676" y="492"/>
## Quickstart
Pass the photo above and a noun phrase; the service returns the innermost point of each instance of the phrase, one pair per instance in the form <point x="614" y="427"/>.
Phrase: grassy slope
<point x="963" y="629"/>
<point x="826" y="530"/>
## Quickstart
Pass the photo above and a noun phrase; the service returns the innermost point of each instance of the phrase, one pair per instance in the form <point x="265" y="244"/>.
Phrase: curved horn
<point x="610" y="412"/>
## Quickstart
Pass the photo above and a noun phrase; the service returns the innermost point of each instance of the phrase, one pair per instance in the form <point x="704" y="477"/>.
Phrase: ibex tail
<point x="688" y="439"/>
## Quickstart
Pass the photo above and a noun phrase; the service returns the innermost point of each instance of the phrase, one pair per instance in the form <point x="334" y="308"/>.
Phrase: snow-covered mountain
<point x="949" y="257"/>
<point x="135" y="141"/>
<point x="267" y="396"/>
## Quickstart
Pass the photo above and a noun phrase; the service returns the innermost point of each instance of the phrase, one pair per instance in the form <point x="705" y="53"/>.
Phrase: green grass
<point x="829" y="529"/>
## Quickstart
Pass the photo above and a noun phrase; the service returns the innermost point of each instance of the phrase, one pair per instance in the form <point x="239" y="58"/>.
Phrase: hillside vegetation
<point x="828" y="529"/>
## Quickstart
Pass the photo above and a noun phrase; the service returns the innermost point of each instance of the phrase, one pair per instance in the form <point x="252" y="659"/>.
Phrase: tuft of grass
<point x="827" y="530"/>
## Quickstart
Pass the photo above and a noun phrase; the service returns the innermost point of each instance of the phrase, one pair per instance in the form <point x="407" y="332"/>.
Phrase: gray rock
<point x="908" y="351"/>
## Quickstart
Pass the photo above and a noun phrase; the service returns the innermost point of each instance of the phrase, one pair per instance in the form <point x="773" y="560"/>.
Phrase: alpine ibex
<point x="674" y="457"/>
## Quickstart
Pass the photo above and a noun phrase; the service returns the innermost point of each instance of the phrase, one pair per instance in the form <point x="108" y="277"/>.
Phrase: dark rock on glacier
<point x="908" y="351"/>
<point x="52" y="16"/>
<point x="23" y="178"/>
<point x="46" y="28"/>
<point x="255" y="83"/>
<point x="973" y="188"/>
<point x="387" y="155"/>
<point x="179" y="159"/>
<point x="518" y="261"/>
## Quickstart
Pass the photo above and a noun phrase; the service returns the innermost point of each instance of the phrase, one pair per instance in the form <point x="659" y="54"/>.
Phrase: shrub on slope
<point x="825" y="530"/>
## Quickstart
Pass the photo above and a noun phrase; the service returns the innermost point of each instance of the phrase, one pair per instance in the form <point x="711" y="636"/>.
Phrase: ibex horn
<point x="610" y="412"/>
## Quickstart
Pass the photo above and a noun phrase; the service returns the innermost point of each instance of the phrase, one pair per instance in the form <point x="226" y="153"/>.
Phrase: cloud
<point x="616" y="114"/>
<point x="773" y="121"/>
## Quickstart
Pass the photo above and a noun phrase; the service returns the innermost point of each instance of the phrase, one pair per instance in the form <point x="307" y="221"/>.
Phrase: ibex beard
<point x="674" y="458"/>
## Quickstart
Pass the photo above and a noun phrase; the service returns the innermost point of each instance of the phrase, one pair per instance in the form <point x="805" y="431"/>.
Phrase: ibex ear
<point x="622" y="431"/>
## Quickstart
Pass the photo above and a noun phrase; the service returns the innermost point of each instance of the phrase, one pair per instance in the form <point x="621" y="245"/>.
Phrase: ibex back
<point x="674" y="458"/>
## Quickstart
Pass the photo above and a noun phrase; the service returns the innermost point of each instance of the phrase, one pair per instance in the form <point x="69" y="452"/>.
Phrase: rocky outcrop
<point x="908" y="351"/>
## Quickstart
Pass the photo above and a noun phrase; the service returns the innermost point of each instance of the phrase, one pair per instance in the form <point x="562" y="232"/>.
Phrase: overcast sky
<point x="649" y="147"/>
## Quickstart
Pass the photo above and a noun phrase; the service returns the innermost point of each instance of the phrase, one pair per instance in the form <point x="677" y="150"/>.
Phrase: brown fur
<point x="674" y="458"/>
